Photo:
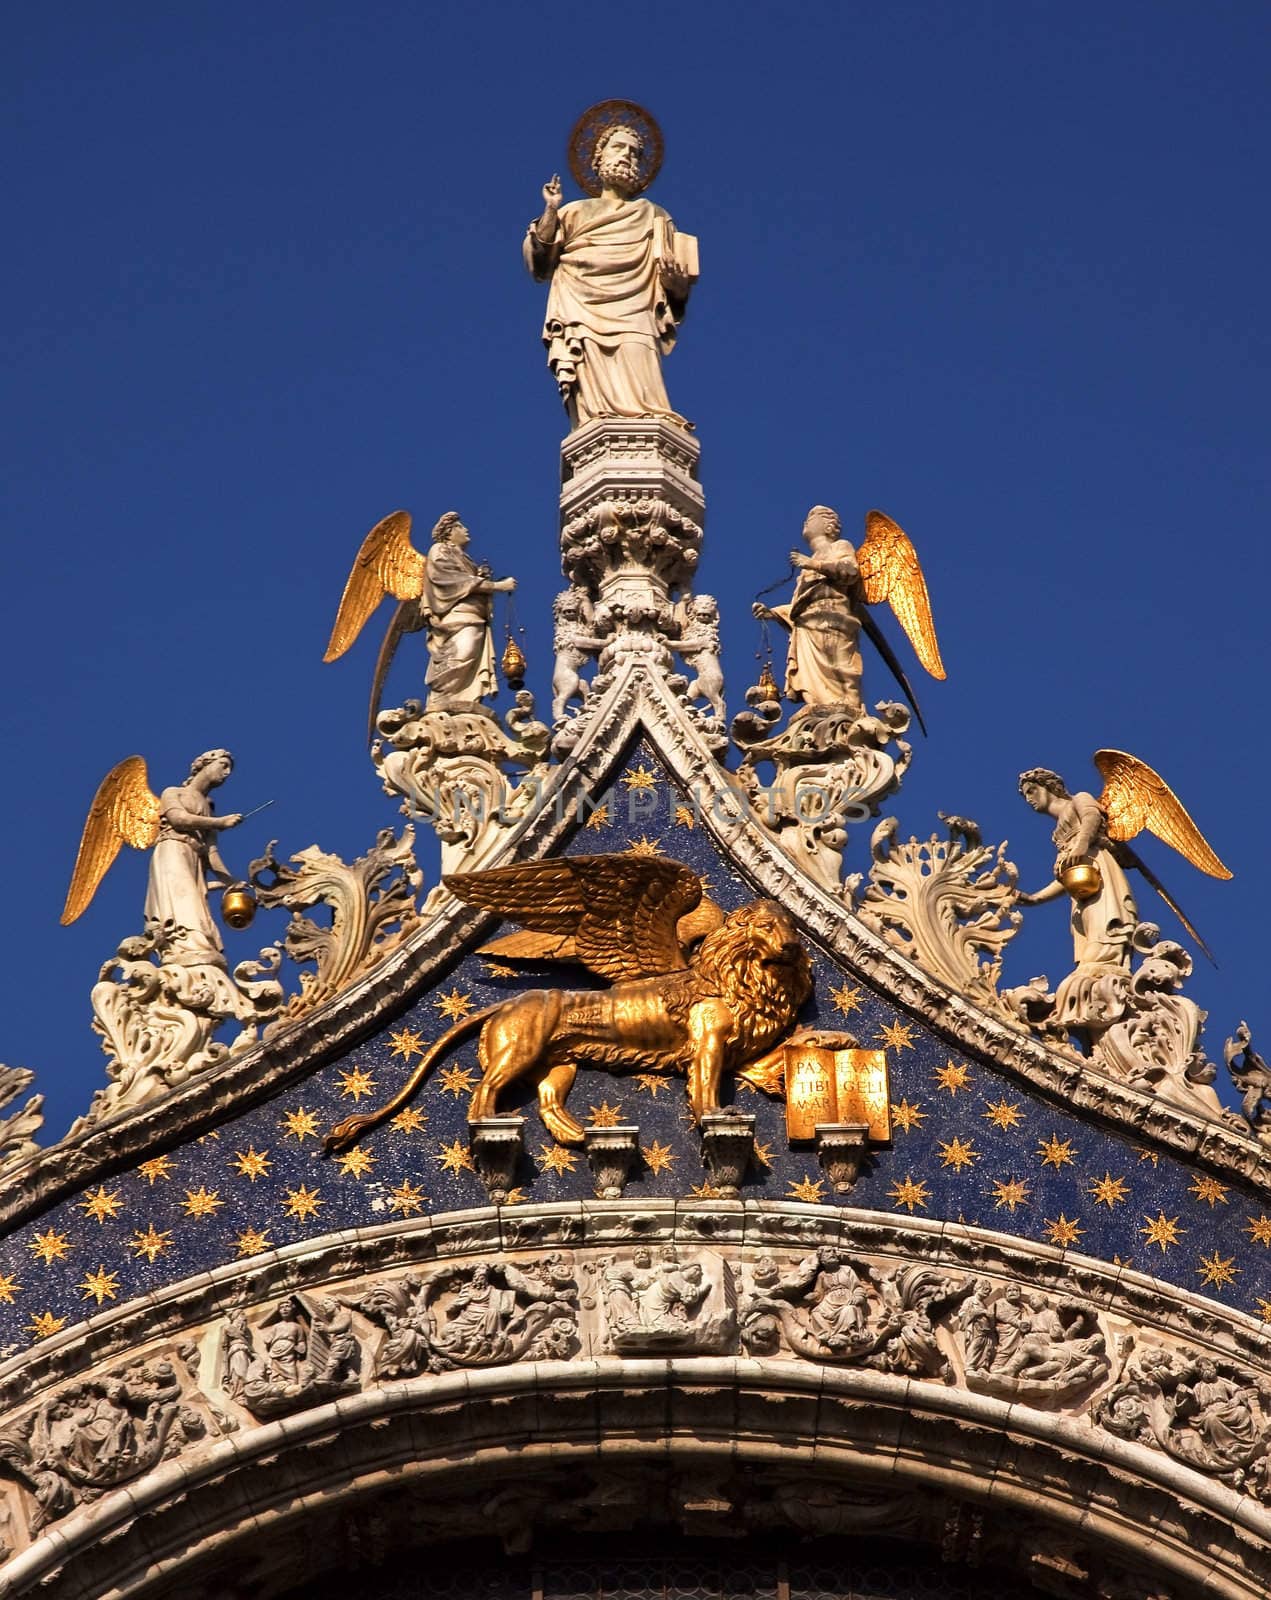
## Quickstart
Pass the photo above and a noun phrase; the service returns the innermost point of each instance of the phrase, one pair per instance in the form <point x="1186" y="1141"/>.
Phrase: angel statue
<point x="1093" y="856"/>
<point x="444" y="592"/>
<point x="179" y="828"/>
<point x="837" y="583"/>
<point x="160" y="1000"/>
<point x="695" y="994"/>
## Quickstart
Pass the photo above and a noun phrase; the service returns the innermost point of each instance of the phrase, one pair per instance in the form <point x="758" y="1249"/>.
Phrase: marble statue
<point x="698" y="645"/>
<point x="1092" y="857"/>
<point x="619" y="276"/>
<point x="445" y="592"/>
<point x="835" y="583"/>
<point x="180" y="829"/>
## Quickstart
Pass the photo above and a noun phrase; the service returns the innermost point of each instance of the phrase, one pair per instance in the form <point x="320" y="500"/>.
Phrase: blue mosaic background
<point x="969" y="1145"/>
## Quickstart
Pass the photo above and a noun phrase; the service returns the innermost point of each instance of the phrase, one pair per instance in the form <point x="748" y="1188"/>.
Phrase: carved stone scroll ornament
<point x="371" y="903"/>
<point x="1021" y="1346"/>
<point x="658" y="1303"/>
<point x="830" y="1308"/>
<point x="479" y="1316"/>
<point x="946" y="904"/>
<point x="94" y="1436"/>
<point x="18" y="1129"/>
<point x="157" y="1015"/>
<point x="1134" y="1024"/>
<point x="832" y="767"/>
<point x="1252" y="1077"/>
<point x="455" y="769"/>
<point x="304" y="1352"/>
<point x="1209" y="1415"/>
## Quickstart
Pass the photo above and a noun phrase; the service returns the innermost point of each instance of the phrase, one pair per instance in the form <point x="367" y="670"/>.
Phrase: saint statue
<point x="620" y="275"/>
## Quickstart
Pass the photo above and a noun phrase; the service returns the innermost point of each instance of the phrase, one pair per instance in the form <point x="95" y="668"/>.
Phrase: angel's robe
<point x="176" y="892"/>
<point x="609" y="318"/>
<point x="456" y="605"/>
<point x="823" y="662"/>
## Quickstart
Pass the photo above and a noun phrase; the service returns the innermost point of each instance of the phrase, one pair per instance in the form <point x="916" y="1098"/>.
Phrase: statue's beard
<point x="620" y="173"/>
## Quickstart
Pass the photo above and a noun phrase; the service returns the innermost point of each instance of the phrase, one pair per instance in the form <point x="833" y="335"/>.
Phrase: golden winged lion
<point x="719" y="1006"/>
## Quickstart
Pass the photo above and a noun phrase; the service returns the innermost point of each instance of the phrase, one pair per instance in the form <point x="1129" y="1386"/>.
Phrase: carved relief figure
<point x="619" y="286"/>
<point x="1210" y="1419"/>
<point x="824" y="1311"/>
<point x="477" y="1316"/>
<point x="301" y="1354"/>
<point x="668" y="1306"/>
<point x="96" y="1435"/>
<point x="1020" y="1345"/>
<point x="718" y="1008"/>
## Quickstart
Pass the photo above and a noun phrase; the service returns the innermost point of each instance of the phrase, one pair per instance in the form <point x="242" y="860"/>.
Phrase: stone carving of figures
<point x="1017" y="1343"/>
<point x="444" y="592"/>
<point x="978" y="1327"/>
<point x="476" y="1318"/>
<point x="622" y="1283"/>
<point x="839" y="1302"/>
<point x="574" y="646"/>
<point x="333" y="1356"/>
<point x="618" y="291"/>
<point x="238" y="1354"/>
<point x="176" y="896"/>
<point x="699" y="645"/>
<point x="670" y="1306"/>
<point x="1219" y="1412"/>
<point x="96" y="1435"/>
<point x="286" y="1345"/>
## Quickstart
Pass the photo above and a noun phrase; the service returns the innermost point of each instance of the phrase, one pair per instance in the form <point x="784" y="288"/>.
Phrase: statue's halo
<point x="593" y="122"/>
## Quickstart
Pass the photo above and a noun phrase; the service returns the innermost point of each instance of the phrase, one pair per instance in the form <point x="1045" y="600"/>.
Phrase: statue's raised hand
<point x="552" y="192"/>
<point x="231" y="819"/>
<point x="760" y="610"/>
<point x="505" y="586"/>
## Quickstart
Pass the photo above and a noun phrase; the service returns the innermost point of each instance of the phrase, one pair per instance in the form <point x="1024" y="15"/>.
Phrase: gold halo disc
<point x="593" y="122"/>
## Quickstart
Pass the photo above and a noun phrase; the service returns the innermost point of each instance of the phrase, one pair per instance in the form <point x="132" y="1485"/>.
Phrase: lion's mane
<point x="764" y="996"/>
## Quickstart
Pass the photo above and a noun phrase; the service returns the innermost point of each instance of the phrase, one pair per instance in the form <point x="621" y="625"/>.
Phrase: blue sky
<point x="998" y="269"/>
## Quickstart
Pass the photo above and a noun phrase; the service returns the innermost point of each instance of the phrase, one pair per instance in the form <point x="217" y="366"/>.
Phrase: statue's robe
<point x="176" y="893"/>
<point x="609" y="319"/>
<point x="823" y="662"/>
<point x="456" y="606"/>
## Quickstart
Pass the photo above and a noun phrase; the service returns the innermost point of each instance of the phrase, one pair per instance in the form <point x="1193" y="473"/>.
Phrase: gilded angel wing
<point x="890" y="570"/>
<point x="124" y="811"/>
<point x="387" y="563"/>
<point x="621" y="910"/>
<point x="1135" y="797"/>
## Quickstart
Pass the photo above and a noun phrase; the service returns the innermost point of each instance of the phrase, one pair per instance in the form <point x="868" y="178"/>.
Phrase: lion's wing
<point x="621" y="910"/>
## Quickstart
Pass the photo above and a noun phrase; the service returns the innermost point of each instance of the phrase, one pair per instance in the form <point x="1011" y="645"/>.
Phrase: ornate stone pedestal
<point x="632" y="512"/>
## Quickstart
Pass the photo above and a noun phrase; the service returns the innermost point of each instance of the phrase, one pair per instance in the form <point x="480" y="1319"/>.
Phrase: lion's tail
<point x="349" y="1131"/>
